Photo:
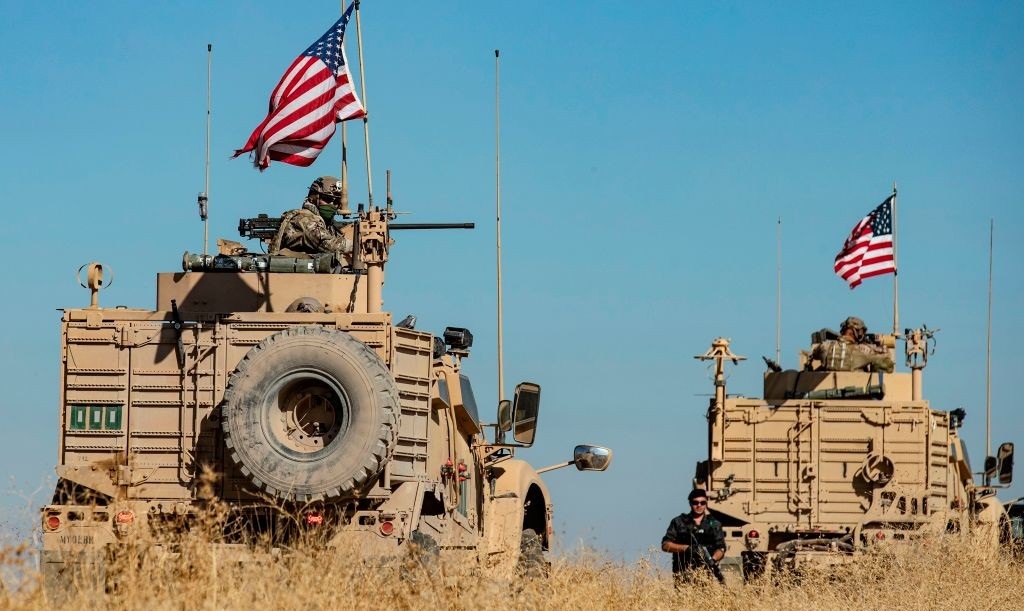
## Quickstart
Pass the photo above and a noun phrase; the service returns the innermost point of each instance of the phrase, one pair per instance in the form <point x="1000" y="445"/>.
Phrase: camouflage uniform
<point x="304" y="231"/>
<point x="853" y="354"/>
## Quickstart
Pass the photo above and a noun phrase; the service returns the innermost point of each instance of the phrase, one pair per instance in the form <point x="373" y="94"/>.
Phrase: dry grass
<point x="945" y="573"/>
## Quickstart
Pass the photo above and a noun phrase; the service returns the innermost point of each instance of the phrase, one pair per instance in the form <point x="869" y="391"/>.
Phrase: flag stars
<point x="881" y="219"/>
<point x="868" y="251"/>
<point x="297" y="138"/>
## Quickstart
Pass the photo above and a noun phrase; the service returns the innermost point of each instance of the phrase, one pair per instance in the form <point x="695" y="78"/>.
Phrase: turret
<point x="259" y="282"/>
<point x="831" y="369"/>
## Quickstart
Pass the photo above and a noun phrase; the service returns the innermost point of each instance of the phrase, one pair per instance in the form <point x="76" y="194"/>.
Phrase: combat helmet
<point x="856" y="325"/>
<point x="328" y="187"/>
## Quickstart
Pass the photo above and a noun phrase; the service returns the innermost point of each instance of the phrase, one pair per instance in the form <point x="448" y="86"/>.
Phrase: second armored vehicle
<point x="831" y="461"/>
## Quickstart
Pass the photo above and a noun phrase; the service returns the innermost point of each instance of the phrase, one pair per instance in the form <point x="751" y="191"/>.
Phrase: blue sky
<point x="648" y="149"/>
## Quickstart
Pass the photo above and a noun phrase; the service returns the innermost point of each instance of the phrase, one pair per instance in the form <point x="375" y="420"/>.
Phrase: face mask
<point x="327" y="212"/>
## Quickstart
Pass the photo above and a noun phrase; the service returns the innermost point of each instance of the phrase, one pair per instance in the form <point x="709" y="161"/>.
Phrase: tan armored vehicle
<point x="279" y="388"/>
<point x="1015" y="535"/>
<point x="829" y="461"/>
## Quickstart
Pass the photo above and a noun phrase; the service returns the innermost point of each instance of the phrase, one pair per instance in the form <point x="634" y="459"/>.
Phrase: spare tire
<point x="310" y="413"/>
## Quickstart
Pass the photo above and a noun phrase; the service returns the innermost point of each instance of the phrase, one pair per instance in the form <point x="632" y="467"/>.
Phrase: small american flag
<point x="314" y="93"/>
<point x="869" y="250"/>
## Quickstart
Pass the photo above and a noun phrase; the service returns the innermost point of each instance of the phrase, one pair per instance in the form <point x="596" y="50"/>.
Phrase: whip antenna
<point x="988" y="349"/>
<point x="778" y="293"/>
<point x="203" y="199"/>
<point x="366" y="109"/>
<point x="497" y="207"/>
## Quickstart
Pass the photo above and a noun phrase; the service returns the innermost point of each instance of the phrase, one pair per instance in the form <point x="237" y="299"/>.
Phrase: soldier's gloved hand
<point x="883" y="364"/>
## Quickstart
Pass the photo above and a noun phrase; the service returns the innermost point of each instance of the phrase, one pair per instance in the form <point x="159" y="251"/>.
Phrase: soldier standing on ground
<point x="310" y="230"/>
<point x="687" y="532"/>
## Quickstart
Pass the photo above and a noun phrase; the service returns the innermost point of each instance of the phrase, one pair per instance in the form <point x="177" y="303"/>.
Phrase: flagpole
<point x="344" y="152"/>
<point x="895" y="270"/>
<point x="497" y="207"/>
<point x="366" y="116"/>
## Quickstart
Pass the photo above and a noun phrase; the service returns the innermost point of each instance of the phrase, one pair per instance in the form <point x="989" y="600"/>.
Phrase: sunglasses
<point x="698" y="503"/>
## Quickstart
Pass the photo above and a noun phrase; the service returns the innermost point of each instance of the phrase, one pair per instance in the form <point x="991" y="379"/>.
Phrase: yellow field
<point x="950" y="572"/>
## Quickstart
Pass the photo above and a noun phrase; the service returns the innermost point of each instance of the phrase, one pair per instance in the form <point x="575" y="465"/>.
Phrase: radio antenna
<point x="203" y="199"/>
<point x="497" y="207"/>
<point x="366" y="109"/>
<point x="988" y="349"/>
<point x="778" y="292"/>
<point x="389" y="201"/>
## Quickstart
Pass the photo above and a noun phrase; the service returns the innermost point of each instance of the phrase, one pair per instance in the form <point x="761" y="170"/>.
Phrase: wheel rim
<point x="306" y="413"/>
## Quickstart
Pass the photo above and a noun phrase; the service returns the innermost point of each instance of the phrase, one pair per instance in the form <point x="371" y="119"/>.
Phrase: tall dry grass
<point x="949" y="572"/>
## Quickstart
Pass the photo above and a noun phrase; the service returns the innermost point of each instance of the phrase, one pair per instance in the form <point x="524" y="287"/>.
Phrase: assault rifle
<point x="265" y="227"/>
<point x="706" y="559"/>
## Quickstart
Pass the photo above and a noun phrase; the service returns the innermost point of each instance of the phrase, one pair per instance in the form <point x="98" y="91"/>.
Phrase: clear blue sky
<point x="648" y="149"/>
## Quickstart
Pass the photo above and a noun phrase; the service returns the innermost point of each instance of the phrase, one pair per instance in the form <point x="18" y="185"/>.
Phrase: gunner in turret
<point x="852" y="350"/>
<point x="310" y="230"/>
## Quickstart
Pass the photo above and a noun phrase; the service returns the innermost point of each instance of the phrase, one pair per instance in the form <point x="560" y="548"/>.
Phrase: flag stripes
<point x="868" y="252"/>
<point x="314" y="95"/>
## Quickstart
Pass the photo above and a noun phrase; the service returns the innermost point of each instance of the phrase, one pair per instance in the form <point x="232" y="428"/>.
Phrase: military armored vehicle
<point x="830" y="462"/>
<point x="1015" y="534"/>
<point x="279" y="387"/>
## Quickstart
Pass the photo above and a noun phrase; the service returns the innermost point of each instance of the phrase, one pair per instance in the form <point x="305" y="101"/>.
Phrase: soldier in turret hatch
<point x="852" y="351"/>
<point x="310" y="230"/>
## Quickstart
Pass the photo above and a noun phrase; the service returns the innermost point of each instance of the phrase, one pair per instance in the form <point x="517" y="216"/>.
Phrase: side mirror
<point x="991" y="466"/>
<point x="504" y="415"/>
<point x="591" y="458"/>
<point x="525" y="408"/>
<point x="1005" y="457"/>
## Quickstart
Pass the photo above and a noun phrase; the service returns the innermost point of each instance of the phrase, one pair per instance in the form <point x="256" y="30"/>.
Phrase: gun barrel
<point x="397" y="226"/>
<point x="264" y="227"/>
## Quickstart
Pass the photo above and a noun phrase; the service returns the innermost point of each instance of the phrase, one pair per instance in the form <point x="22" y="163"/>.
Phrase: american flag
<point x="869" y="249"/>
<point x="314" y="93"/>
